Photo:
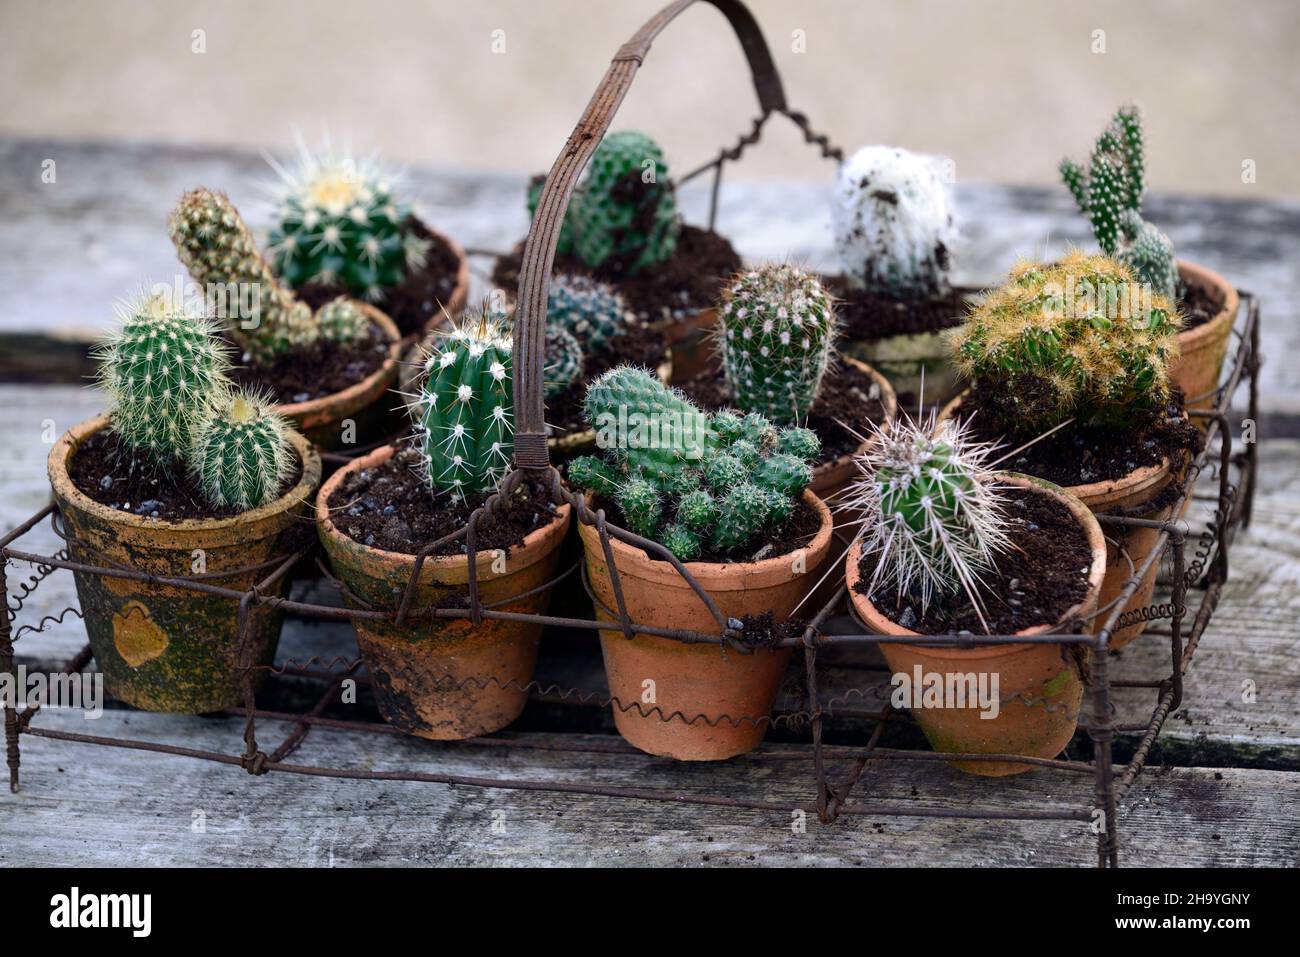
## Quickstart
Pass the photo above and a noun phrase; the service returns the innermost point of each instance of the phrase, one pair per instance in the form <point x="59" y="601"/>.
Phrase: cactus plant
<point x="342" y="320"/>
<point x="241" y="455"/>
<point x="893" y="220"/>
<point x="563" y="360"/>
<point x="340" y="222"/>
<point x="464" y="411"/>
<point x="776" y="331"/>
<point x="1079" y="340"/>
<point x="158" y="369"/>
<point x="932" y="517"/>
<point x="1109" y="192"/>
<point x="592" y="311"/>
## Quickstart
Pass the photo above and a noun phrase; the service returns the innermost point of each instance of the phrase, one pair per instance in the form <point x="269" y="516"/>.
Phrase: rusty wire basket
<point x="1203" y="571"/>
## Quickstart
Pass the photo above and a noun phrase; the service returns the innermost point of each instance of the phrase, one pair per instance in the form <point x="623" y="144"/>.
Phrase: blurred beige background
<point x="1005" y="87"/>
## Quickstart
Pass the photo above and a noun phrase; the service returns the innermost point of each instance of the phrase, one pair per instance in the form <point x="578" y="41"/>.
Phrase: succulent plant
<point x="342" y="320"/>
<point x="592" y="311"/>
<point x="932" y="517"/>
<point x="340" y="222"/>
<point x="1079" y="340"/>
<point x="683" y="478"/>
<point x="241" y="454"/>
<point x="563" y="359"/>
<point x="464" y="412"/>
<point x="776" y="331"/>
<point x="893" y="220"/>
<point x="1109" y="192"/>
<point x="159" y="368"/>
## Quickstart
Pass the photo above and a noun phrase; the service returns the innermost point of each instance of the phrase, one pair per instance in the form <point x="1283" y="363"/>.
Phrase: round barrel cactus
<point x="592" y="311"/>
<point x="241" y="454"/>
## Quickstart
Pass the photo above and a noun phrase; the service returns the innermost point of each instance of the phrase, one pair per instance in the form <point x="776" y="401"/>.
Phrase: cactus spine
<point x="592" y="311"/>
<point x="342" y="320"/>
<point x="776" y="331"/>
<point x="563" y="360"/>
<point x="241" y="454"/>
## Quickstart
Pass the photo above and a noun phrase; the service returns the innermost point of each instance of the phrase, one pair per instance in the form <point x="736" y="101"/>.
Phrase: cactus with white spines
<point x="158" y="369"/>
<point x="342" y="320"/>
<point x="241" y="454"/>
<point x="592" y="311"/>
<point x="464" y="412"/>
<point x="776" y="333"/>
<point x="893" y="221"/>
<point x="563" y="360"/>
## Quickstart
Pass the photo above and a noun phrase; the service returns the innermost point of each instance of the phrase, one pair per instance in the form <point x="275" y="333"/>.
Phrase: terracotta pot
<point x="1201" y="350"/>
<point x="1039" y="685"/>
<point x="831" y="477"/>
<point x="163" y="647"/>
<point x="691" y="341"/>
<point x="444" y="678"/>
<point x="1130" y="492"/>
<point x="723" y="695"/>
<point x="456" y="303"/>
<point x="367" y="403"/>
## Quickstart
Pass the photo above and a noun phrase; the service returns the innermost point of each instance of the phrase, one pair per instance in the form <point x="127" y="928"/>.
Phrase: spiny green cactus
<point x="893" y="221"/>
<point x="776" y="330"/>
<point x="1079" y="340"/>
<point x="241" y="454"/>
<point x="933" y="519"/>
<point x="464" y="412"/>
<point x="563" y="360"/>
<point x="593" y="311"/>
<point x="1109" y="192"/>
<point x="617" y="395"/>
<point x="625" y="212"/>
<point x="340" y="222"/>
<point x="342" y="320"/>
<point x="158" y="369"/>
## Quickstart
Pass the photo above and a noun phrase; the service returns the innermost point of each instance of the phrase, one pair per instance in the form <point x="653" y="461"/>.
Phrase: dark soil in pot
<point x="869" y="317"/>
<point x="390" y="507"/>
<point x="1038" y="580"/>
<point x="323" y="369"/>
<point x="639" y="345"/>
<point x="421" y="294"/>
<point x="846" y="399"/>
<point x="1197" y="306"/>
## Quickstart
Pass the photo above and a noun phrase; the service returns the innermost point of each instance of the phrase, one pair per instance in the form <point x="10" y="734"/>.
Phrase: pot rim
<point x="358" y="390"/>
<point x="65" y="489"/>
<point x="1194" y="273"/>
<point x="888" y="398"/>
<point x="882" y="625"/>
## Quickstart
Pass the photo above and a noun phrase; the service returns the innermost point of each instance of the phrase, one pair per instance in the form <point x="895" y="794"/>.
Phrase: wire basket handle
<point x="544" y="233"/>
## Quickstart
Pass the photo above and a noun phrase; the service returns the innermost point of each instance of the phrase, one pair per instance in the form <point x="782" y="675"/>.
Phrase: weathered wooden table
<point x="1223" y="788"/>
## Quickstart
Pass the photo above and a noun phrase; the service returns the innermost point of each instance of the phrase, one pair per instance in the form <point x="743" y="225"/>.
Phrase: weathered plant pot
<point x="721" y="698"/>
<point x="1201" y="350"/>
<point x="165" y="647"/>
<point x="367" y="403"/>
<point x="444" y="678"/>
<point x="459" y="298"/>
<point x="908" y="360"/>
<point x="691" y="342"/>
<point x="1040" y="688"/>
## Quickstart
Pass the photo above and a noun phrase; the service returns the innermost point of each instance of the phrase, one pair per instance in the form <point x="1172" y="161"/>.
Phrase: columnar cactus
<point x="464" y="412"/>
<point x="563" y="360"/>
<point x="1109" y="192"/>
<point x="619" y="395"/>
<point x="158" y="368"/>
<point x="340" y="222"/>
<point x="933" y="519"/>
<point x="593" y="311"/>
<point x="776" y="330"/>
<point x="241" y="454"/>
<point x="893" y="221"/>
<point x="1079" y="340"/>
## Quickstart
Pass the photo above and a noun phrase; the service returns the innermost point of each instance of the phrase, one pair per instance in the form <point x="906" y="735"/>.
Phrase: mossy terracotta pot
<point x="366" y="404"/>
<point x="164" y="647"/>
<point x="1039" y="686"/>
<point x="721" y="698"/>
<point x="445" y="678"/>
<point x="1201" y="350"/>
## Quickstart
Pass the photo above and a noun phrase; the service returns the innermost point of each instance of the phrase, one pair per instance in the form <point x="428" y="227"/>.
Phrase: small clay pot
<point x="691" y="342"/>
<point x="1201" y="350"/>
<point x="721" y="697"/>
<point x="444" y="678"/>
<point x="367" y="403"/>
<point x="831" y="477"/>
<point x="456" y="303"/>
<point x="1039" y="685"/>
<point x="164" y="647"/>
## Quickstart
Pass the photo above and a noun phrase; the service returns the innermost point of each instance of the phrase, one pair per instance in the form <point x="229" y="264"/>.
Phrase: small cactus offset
<point x="563" y="360"/>
<point x="593" y="311"/>
<point x="340" y="222"/>
<point x="776" y="331"/>
<point x="893" y="221"/>
<point x="464" y="413"/>
<point x="1079" y="340"/>
<point x="158" y="369"/>
<point x="342" y="320"/>
<point x="241" y="454"/>
<point x="1109" y="192"/>
<point x="933" y="519"/>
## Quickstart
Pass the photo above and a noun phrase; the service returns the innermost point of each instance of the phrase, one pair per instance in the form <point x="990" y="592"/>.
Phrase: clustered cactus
<point x="339" y="222"/>
<point x="464" y="412"/>
<point x="623" y="215"/>
<point x="776" y="332"/>
<point x="1109" y="192"/>
<point x="893" y="221"/>
<point x="172" y="405"/>
<point x="1080" y="340"/>
<point x="686" y="479"/>
<point x="593" y="312"/>
<point x="563" y="360"/>
<point x="933" y="519"/>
